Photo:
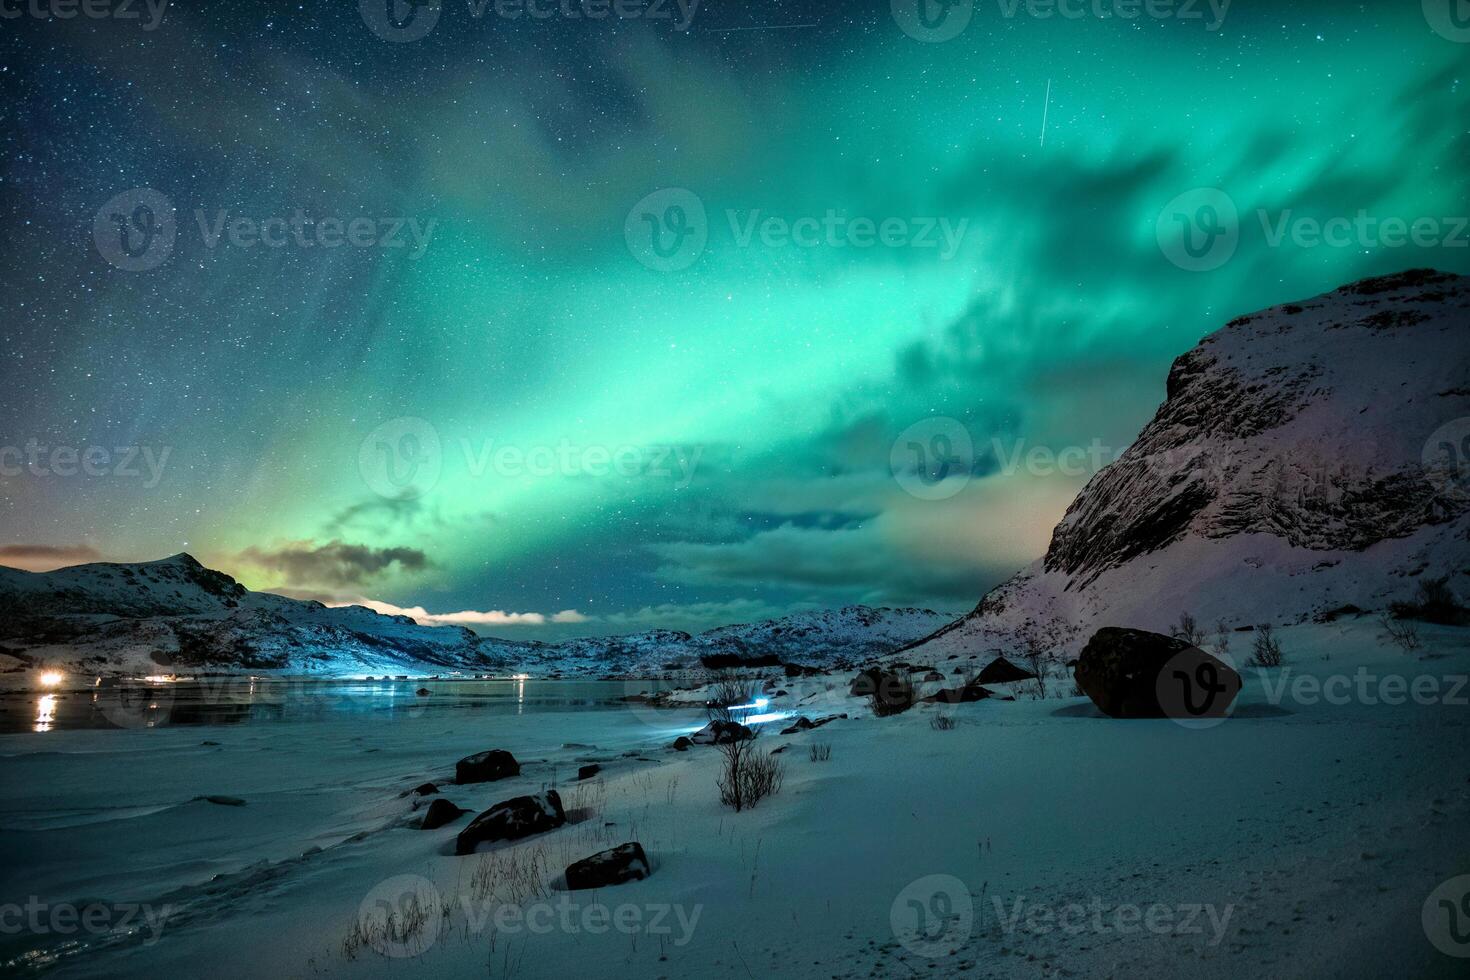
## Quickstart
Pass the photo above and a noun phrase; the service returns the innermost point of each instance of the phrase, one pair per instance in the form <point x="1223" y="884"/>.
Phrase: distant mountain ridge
<point x="177" y="615"/>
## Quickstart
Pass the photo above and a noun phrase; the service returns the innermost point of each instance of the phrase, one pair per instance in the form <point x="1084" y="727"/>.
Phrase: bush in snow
<point x="1188" y="630"/>
<point x="748" y="776"/>
<point x="1402" y="633"/>
<point x="1433" y="603"/>
<point x="1265" y="648"/>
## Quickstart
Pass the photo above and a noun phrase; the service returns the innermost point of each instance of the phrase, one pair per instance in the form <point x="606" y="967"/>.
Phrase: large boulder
<point x="439" y="813"/>
<point x="486" y="767"/>
<point x="1132" y="673"/>
<point x="616" y="865"/>
<point x="1002" y="671"/>
<point x="513" y="819"/>
<point x="890" y="692"/>
<point x="721" y="733"/>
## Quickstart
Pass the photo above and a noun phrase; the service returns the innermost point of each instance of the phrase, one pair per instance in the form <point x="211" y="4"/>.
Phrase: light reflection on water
<point x="240" y="700"/>
<point x="45" y="713"/>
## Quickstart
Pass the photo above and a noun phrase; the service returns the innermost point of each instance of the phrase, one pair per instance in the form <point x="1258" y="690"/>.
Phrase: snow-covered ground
<point x="1302" y="836"/>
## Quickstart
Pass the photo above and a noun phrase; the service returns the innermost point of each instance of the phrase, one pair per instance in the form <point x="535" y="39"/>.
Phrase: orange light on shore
<point x="51" y="678"/>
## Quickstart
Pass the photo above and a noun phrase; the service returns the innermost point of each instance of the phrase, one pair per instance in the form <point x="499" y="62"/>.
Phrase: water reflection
<point x="45" y="713"/>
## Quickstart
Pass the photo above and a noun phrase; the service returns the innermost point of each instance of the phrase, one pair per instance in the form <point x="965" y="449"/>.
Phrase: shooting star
<point x="1046" y="106"/>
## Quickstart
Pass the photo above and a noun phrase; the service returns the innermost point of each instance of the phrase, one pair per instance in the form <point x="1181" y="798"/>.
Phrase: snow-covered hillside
<point x="1284" y="477"/>
<point x="177" y="615"/>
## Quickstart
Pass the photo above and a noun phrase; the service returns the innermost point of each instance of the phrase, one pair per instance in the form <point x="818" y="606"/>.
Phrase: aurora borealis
<point x="438" y="239"/>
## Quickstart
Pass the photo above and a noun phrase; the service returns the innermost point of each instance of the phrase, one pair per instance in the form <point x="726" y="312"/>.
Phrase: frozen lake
<point x="260" y="700"/>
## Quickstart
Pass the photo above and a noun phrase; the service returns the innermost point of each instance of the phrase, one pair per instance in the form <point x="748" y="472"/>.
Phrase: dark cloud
<point x="44" y="557"/>
<point x="333" y="564"/>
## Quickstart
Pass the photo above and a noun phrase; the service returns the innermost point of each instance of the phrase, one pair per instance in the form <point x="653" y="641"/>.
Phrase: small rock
<point x="486" y="767"/>
<point x="513" y="819"/>
<point x="588" y="771"/>
<point x="427" y="789"/>
<point x="617" y="865"/>
<point x="439" y="813"/>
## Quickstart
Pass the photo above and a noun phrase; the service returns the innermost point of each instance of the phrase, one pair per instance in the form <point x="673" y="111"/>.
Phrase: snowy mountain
<point x="176" y="615"/>
<point x="1297" y="466"/>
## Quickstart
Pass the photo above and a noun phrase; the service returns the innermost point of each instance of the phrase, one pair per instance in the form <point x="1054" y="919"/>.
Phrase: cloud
<point x="45" y="557"/>
<point x="333" y="564"/>
<point x="466" y="617"/>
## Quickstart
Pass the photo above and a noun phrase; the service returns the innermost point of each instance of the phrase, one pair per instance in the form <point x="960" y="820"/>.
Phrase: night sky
<point x="703" y="429"/>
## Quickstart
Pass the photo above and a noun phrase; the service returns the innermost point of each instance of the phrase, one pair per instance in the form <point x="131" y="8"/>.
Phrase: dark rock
<point x="485" y="767"/>
<point x="1132" y="673"/>
<point x="587" y="772"/>
<point x="1002" y="671"/>
<point x="422" y="692"/>
<point x="801" y="670"/>
<point x="805" y="724"/>
<point x="615" y="866"/>
<point x="513" y="819"/>
<point x="222" y="800"/>
<point x="721" y="733"/>
<point x="427" y="789"/>
<point x="681" y="744"/>
<point x="959" y="695"/>
<point x="439" y="813"/>
<point x="891" y="693"/>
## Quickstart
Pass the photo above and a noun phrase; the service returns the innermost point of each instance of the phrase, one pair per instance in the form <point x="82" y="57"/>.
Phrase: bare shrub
<point x="894" y="696"/>
<point x="1222" y="638"/>
<point x="1402" y="633"/>
<point x="1434" y="602"/>
<point x="748" y="775"/>
<point x="728" y="691"/>
<point x="821" y="751"/>
<point x="1035" y="656"/>
<point x="941" y="723"/>
<point x="1188" y="630"/>
<point x="1265" y="648"/>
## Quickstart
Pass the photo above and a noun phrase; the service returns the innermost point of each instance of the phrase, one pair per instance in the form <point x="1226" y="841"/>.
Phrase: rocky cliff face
<point x="1296" y="465"/>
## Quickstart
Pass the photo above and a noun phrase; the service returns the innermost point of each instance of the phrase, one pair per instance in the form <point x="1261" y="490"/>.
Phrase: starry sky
<point x="484" y="317"/>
